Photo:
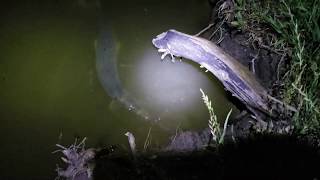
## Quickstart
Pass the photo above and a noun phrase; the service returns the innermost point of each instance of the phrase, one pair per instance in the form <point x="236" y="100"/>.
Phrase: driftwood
<point x="235" y="77"/>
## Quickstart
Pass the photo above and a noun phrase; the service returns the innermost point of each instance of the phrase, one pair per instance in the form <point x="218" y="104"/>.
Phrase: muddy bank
<point x="255" y="157"/>
<point x="259" y="157"/>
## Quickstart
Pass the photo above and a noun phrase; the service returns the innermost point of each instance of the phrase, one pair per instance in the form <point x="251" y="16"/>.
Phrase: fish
<point x="107" y="71"/>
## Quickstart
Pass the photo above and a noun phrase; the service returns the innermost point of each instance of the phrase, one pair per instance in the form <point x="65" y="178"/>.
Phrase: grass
<point x="289" y="28"/>
<point x="214" y="125"/>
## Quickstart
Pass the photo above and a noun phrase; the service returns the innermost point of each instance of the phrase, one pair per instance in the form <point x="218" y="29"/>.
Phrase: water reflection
<point x="171" y="87"/>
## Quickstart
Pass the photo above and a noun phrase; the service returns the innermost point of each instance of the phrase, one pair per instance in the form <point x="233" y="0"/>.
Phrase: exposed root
<point x="78" y="160"/>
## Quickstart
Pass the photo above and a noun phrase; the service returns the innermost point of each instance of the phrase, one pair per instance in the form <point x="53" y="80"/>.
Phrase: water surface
<point x="49" y="86"/>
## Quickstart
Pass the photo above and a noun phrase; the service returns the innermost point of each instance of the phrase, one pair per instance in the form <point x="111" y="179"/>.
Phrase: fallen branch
<point x="235" y="77"/>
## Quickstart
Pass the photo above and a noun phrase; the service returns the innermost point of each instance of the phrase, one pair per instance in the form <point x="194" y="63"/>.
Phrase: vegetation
<point x="214" y="125"/>
<point x="289" y="28"/>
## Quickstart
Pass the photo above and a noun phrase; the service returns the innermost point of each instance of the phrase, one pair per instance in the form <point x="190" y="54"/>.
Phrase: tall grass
<point x="289" y="28"/>
<point x="213" y="123"/>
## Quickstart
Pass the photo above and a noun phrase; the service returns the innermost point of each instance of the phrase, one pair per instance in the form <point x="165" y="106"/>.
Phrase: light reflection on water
<point x="172" y="90"/>
<point x="49" y="86"/>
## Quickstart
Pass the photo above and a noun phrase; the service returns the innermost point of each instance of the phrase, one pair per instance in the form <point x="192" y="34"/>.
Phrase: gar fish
<point x="106" y="65"/>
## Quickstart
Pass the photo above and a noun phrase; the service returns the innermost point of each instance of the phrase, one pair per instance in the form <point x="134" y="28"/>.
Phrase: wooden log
<point x="235" y="77"/>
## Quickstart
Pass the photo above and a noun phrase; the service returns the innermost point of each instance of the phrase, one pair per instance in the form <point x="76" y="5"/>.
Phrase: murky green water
<point x="49" y="85"/>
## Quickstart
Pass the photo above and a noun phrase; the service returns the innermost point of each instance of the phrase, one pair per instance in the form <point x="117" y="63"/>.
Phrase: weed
<point x="214" y="125"/>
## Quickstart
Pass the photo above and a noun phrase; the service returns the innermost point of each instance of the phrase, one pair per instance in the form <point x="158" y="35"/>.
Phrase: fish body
<point x="106" y="65"/>
<point x="107" y="70"/>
